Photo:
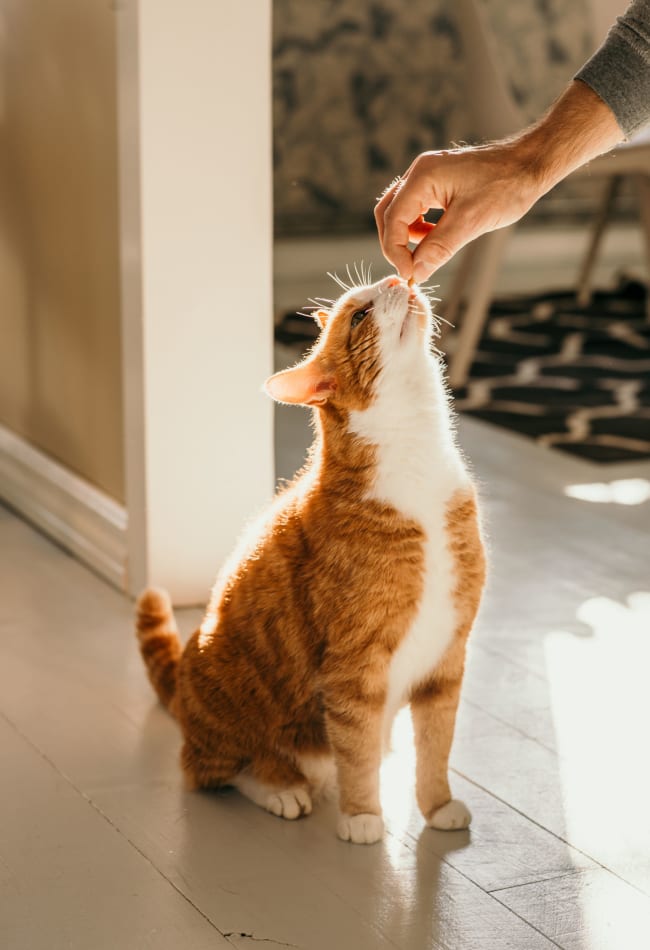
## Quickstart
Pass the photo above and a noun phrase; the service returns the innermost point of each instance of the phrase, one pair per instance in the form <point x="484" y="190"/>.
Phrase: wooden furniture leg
<point x="607" y="200"/>
<point x="642" y="184"/>
<point x="451" y="305"/>
<point x="489" y="253"/>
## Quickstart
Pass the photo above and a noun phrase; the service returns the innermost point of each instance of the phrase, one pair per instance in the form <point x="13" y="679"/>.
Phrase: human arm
<point x="491" y="186"/>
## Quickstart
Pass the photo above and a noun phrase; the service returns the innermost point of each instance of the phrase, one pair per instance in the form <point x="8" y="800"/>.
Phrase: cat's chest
<point x="431" y="626"/>
<point x="418" y="472"/>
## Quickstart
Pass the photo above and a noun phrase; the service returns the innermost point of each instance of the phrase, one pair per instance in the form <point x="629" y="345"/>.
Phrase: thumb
<point x="442" y="242"/>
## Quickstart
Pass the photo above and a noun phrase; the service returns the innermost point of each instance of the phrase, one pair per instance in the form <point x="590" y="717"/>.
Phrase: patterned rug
<point x="573" y="378"/>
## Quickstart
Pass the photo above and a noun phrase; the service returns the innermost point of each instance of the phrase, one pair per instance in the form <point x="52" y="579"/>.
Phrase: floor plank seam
<point x="411" y="844"/>
<point x="554" y="943"/>
<point x="541" y="880"/>
<point x="476" y="643"/>
<point x="106" y="818"/>
<point x="326" y="885"/>
<point x="504" y="722"/>
<point x="499" y="655"/>
<point x="568" y="844"/>
<point x="247" y="936"/>
<point x="524" y="815"/>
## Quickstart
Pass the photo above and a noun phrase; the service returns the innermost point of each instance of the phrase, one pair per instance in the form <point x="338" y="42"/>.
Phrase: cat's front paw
<point x="361" y="829"/>
<point x="290" y="803"/>
<point x="450" y="817"/>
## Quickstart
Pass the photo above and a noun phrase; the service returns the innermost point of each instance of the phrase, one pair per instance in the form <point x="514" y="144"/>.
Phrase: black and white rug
<point x="572" y="378"/>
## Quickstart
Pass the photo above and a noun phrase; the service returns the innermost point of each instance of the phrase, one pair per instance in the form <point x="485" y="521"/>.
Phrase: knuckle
<point x="436" y="253"/>
<point x="426" y="161"/>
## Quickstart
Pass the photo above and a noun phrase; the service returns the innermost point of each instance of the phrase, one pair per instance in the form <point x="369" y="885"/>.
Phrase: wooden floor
<point x="102" y="849"/>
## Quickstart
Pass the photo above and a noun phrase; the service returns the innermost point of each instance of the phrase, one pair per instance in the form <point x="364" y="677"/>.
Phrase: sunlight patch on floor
<point x="600" y="704"/>
<point x="620" y="491"/>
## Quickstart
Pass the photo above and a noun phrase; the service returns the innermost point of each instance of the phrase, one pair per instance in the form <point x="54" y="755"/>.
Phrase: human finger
<point x="383" y="202"/>
<point x="402" y="218"/>
<point x="450" y="234"/>
<point x="418" y="229"/>
<point x="388" y="195"/>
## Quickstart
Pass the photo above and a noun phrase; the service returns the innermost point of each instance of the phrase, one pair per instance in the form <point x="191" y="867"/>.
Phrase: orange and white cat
<point x="353" y="595"/>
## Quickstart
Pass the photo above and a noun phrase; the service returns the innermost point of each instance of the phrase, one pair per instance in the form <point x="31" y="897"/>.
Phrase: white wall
<point x="195" y="122"/>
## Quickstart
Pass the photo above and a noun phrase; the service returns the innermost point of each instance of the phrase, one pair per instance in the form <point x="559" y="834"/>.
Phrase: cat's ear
<point x="306" y="384"/>
<point x="321" y="317"/>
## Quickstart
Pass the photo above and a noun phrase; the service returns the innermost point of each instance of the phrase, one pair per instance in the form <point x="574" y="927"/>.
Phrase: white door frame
<point x="196" y="258"/>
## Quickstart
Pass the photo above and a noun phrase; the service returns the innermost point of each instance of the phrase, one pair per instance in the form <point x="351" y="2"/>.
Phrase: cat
<point x="354" y="594"/>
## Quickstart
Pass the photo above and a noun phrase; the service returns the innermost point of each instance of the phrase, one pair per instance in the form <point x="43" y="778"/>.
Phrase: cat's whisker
<point x="316" y="304"/>
<point x="335" y="277"/>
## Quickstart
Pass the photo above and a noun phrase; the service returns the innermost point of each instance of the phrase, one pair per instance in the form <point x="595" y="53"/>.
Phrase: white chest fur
<point x="419" y="468"/>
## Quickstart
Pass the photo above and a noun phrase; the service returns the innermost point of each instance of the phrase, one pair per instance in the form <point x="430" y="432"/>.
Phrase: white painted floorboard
<point x="101" y="847"/>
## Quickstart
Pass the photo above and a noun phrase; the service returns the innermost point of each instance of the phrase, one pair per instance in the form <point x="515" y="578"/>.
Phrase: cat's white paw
<point x="451" y="817"/>
<point x="361" y="829"/>
<point x="290" y="803"/>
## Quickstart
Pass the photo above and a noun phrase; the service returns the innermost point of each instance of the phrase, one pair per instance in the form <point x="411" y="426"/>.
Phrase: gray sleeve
<point x="619" y="72"/>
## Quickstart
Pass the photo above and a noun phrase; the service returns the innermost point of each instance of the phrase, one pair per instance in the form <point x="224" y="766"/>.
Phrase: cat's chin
<point x="408" y="325"/>
<point x="413" y="330"/>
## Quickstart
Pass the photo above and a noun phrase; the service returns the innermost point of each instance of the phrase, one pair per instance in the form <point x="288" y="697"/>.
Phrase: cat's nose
<point x="392" y="282"/>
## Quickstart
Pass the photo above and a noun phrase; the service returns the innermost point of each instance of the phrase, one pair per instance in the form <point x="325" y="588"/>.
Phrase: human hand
<point x="478" y="189"/>
<point x="489" y="187"/>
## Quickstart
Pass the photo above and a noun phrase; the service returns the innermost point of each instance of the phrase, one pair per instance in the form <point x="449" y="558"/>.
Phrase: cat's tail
<point x="159" y="642"/>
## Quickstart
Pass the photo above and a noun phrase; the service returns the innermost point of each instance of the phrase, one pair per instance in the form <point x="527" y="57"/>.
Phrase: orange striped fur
<point x="319" y="624"/>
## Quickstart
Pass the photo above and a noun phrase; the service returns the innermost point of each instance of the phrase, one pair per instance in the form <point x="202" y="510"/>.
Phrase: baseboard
<point x="83" y="519"/>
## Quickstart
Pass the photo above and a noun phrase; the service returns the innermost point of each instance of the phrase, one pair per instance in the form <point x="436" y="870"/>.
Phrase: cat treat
<point x="353" y="595"/>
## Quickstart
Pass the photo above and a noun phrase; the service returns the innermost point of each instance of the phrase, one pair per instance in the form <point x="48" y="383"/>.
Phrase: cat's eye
<point x="358" y="316"/>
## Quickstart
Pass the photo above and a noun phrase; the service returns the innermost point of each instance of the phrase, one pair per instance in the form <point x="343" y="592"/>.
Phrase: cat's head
<point x="370" y="331"/>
